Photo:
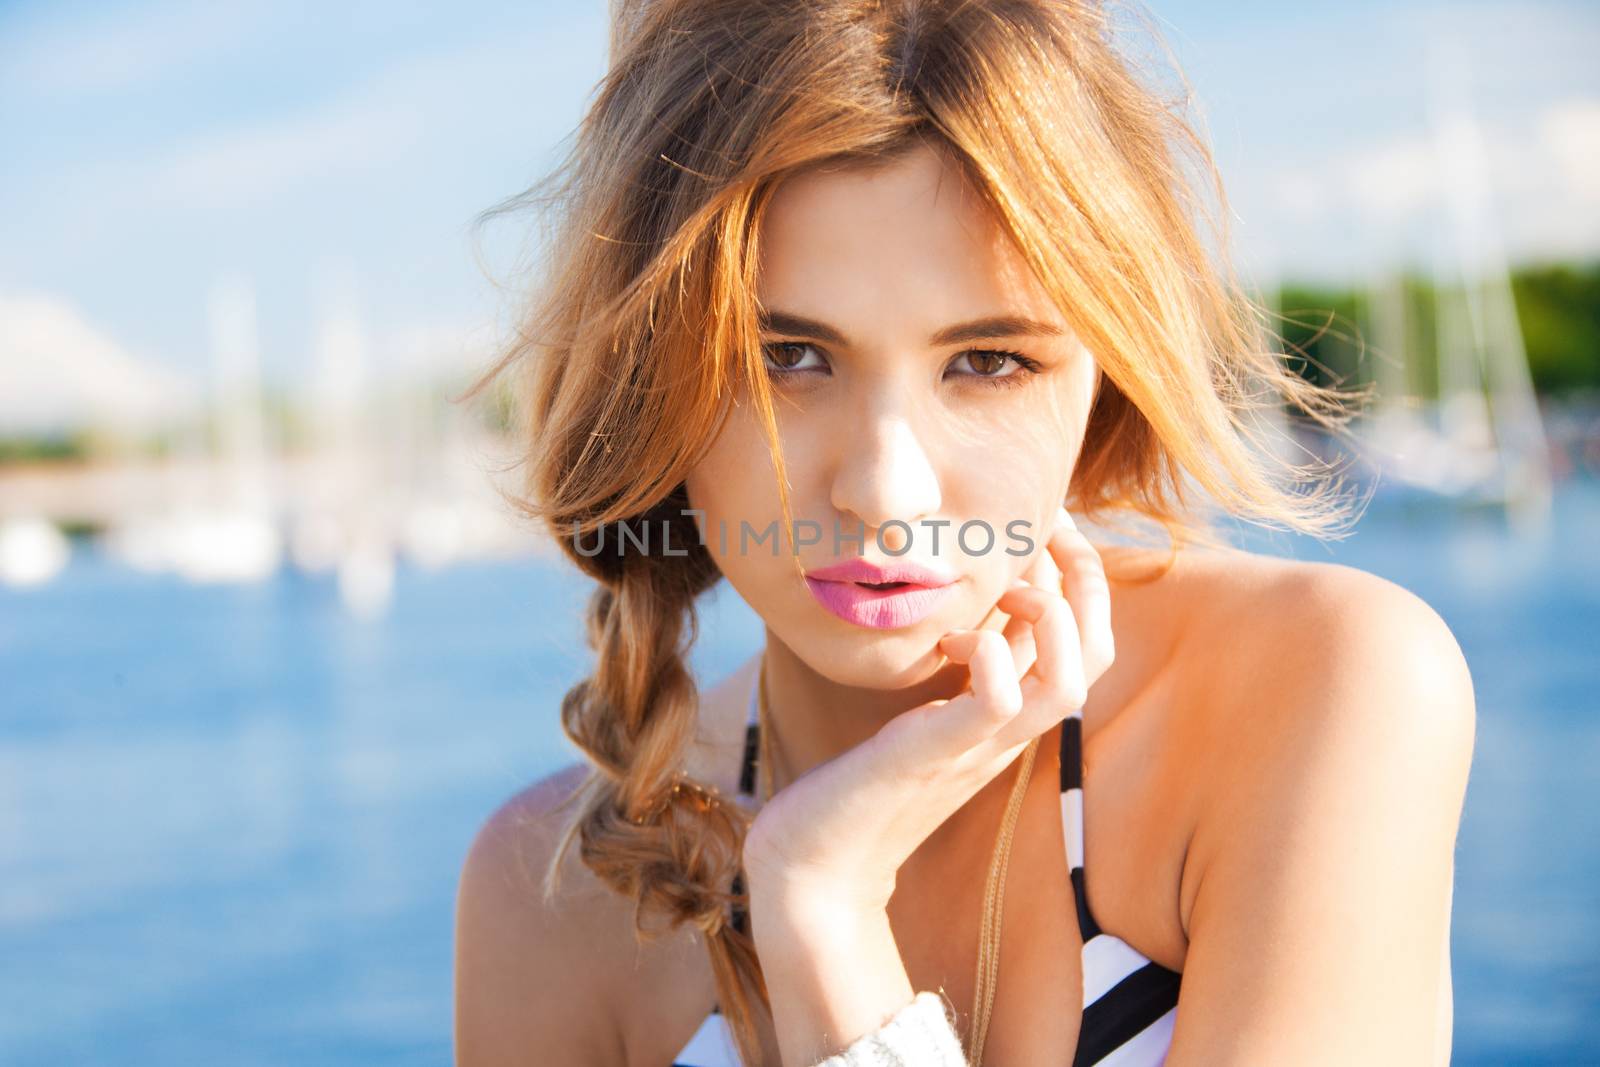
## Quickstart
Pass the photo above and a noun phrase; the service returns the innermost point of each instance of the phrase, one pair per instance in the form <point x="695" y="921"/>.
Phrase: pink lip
<point x="836" y="588"/>
<point x="894" y="570"/>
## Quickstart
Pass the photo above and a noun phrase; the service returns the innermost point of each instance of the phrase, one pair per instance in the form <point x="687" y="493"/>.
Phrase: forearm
<point x="832" y="968"/>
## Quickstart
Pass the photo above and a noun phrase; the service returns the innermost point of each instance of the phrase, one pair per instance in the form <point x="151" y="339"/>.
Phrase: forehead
<point x="910" y="236"/>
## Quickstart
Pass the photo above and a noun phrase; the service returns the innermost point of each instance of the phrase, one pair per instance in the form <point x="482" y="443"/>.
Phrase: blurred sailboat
<point x="344" y="525"/>
<point x="452" y="511"/>
<point x="219" y="524"/>
<point x="1483" y="441"/>
<point x="32" y="551"/>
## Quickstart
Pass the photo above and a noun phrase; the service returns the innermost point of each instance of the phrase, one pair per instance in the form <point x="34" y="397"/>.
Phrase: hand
<point x="839" y="833"/>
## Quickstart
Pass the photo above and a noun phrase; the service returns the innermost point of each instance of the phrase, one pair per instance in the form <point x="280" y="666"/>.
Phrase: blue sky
<point x="335" y="154"/>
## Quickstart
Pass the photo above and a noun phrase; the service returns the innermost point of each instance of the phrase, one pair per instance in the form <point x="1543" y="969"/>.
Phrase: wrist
<point x="831" y="965"/>
<point x="811" y="896"/>
<point x="812" y="919"/>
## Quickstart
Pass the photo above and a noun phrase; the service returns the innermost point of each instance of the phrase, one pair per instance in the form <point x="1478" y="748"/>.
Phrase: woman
<point x="939" y="263"/>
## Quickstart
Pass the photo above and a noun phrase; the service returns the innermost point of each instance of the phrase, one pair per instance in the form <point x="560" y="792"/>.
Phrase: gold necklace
<point x="993" y="891"/>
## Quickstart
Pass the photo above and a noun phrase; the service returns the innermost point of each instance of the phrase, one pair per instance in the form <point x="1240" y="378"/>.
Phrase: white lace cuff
<point x="921" y="1034"/>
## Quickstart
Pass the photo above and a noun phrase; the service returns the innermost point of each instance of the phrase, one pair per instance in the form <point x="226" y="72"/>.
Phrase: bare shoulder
<point x="1335" y="719"/>
<point x="536" y="981"/>
<point x="1287" y="652"/>
<point x="1271" y="630"/>
<point x="566" y="979"/>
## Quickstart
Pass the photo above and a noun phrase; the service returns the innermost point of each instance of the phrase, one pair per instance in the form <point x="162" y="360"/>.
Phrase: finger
<point x="1019" y="635"/>
<point x="1041" y="573"/>
<point x="1056" y="684"/>
<point x="959" y="645"/>
<point x="994" y="699"/>
<point x="1084" y="584"/>
<point x="996" y="684"/>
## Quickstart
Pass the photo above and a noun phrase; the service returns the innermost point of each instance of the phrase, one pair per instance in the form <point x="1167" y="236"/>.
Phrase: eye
<point x="785" y="358"/>
<point x="990" y="368"/>
<point x="997" y="369"/>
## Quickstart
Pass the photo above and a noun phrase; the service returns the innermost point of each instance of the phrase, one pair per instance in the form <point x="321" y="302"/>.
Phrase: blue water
<point x="231" y="820"/>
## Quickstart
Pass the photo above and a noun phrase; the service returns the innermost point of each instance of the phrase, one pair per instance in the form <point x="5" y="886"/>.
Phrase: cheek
<point x="732" y="485"/>
<point x="1013" y="480"/>
<point x="1017" y="468"/>
<point x="1003" y="512"/>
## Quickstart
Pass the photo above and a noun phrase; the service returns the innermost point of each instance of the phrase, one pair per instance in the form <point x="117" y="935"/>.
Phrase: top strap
<point x="752" y="738"/>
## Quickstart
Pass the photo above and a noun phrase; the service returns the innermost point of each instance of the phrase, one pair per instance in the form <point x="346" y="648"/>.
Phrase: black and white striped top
<point x="1129" y="1001"/>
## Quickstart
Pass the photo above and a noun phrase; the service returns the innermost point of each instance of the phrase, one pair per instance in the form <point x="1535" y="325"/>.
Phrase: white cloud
<point x="58" y="370"/>
<point x="1529" y="186"/>
<point x="1392" y="179"/>
<point x="1569" y="132"/>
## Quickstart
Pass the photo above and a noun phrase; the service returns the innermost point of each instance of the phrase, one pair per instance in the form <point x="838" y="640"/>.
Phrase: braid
<point x="669" y="844"/>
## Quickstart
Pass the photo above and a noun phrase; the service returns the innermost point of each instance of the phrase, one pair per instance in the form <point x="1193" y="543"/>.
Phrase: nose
<point x="884" y="473"/>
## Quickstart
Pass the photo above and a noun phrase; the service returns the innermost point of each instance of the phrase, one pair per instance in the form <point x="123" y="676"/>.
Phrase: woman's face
<point x="897" y="426"/>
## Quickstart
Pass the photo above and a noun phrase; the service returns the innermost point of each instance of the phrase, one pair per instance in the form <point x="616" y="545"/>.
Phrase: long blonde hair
<point x="643" y="323"/>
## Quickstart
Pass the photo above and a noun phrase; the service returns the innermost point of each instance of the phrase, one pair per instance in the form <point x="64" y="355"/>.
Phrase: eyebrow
<point x="976" y="330"/>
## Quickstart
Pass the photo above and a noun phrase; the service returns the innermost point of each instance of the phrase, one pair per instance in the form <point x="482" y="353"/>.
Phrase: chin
<point x="866" y="658"/>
